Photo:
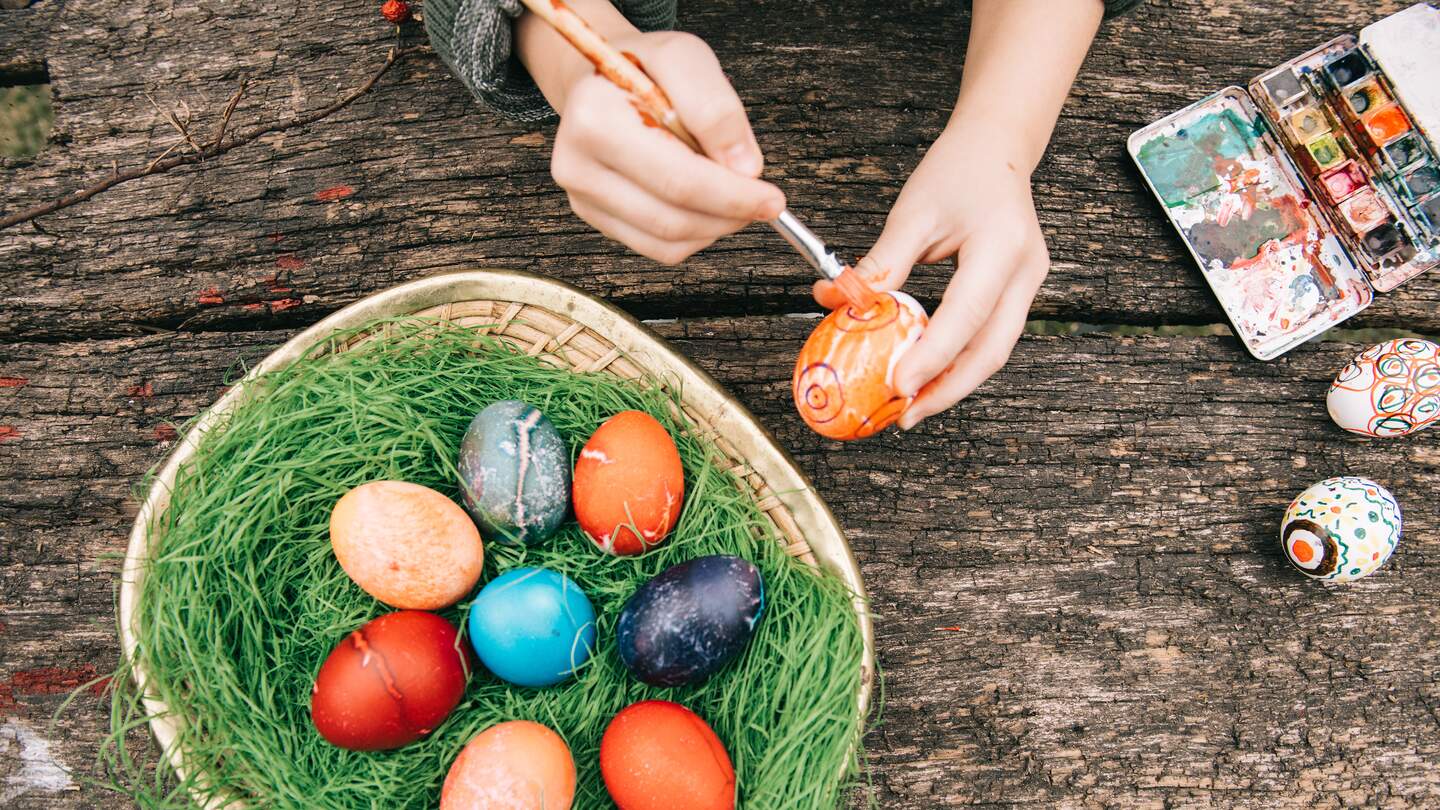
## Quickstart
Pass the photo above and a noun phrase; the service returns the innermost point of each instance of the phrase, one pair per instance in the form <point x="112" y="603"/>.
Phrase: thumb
<point x="685" y="67"/>
<point x="886" y="266"/>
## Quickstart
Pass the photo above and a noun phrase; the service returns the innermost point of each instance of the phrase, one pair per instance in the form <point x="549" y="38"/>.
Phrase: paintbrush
<point x="625" y="72"/>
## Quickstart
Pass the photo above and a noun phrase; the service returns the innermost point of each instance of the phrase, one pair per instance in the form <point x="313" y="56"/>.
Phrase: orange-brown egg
<point x="406" y="545"/>
<point x="844" y="383"/>
<point x="518" y="765"/>
<point x="628" y="484"/>
<point x="658" y="755"/>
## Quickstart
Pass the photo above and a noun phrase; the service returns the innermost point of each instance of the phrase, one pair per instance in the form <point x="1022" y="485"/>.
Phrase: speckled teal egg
<point x="514" y="473"/>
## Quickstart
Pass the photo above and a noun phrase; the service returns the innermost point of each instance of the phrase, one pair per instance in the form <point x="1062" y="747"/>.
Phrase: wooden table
<point x="1099" y="521"/>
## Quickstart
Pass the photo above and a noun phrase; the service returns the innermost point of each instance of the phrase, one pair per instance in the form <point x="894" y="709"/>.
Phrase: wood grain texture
<point x="1097" y="525"/>
<point x="416" y="178"/>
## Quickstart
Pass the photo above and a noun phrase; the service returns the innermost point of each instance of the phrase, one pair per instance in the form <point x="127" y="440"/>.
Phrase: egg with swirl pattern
<point x="844" y="379"/>
<point x="690" y="620"/>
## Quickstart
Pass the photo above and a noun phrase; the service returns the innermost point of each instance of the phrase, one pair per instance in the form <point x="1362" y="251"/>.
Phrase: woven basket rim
<point x="781" y="489"/>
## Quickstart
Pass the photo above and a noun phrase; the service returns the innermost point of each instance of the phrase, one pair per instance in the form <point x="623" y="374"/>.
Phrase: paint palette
<point x="1319" y="184"/>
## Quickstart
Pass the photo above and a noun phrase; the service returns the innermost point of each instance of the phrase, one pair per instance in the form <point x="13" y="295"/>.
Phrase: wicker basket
<point x="568" y="327"/>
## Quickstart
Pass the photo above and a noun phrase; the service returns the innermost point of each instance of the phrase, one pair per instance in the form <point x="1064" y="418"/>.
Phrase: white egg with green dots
<point x="1341" y="529"/>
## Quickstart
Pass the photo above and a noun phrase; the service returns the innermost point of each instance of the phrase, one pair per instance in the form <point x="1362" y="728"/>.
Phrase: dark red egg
<point x="389" y="683"/>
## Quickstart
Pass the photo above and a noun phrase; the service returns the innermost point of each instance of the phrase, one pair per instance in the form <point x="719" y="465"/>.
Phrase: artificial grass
<point x="243" y="599"/>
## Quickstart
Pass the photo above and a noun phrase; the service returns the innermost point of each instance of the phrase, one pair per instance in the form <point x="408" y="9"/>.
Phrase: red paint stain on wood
<point x="334" y="193"/>
<point x="289" y="262"/>
<point x="275" y="237"/>
<point x="9" y="432"/>
<point x="253" y="307"/>
<point x="165" y="433"/>
<point x="284" y="304"/>
<point x="57" y="680"/>
<point x="13" y="382"/>
<point x="52" y="681"/>
<point x="147" y="390"/>
<point x="210" y="296"/>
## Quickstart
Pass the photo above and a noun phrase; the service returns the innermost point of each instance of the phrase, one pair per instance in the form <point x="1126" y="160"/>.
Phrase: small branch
<point x="229" y="108"/>
<point x="219" y="147"/>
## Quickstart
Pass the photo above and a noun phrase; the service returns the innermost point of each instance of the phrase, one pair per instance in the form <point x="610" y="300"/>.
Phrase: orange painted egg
<point x="406" y="545"/>
<point x="658" y="755"/>
<point x="628" y="484"/>
<point x="844" y="378"/>
<point x="518" y="765"/>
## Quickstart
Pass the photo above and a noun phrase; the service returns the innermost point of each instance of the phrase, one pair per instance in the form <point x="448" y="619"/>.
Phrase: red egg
<point x="658" y="755"/>
<point x="628" y="484"/>
<point x="389" y="683"/>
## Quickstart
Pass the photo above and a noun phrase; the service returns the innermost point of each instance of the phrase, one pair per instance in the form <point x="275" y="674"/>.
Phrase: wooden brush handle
<point x="622" y="69"/>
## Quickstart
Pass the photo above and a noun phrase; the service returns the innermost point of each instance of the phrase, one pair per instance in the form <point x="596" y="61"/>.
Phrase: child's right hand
<point x="637" y="183"/>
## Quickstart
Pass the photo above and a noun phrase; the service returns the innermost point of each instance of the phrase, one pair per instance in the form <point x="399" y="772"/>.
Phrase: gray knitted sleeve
<point x="475" y="39"/>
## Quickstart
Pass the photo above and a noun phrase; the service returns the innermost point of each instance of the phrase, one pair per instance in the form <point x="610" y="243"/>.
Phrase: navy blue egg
<point x="690" y="620"/>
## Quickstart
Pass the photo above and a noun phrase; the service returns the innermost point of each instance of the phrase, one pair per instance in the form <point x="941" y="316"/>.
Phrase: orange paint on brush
<point x="1386" y="124"/>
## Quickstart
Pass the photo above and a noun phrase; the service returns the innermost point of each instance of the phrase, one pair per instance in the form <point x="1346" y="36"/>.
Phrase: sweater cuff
<point x="475" y="39"/>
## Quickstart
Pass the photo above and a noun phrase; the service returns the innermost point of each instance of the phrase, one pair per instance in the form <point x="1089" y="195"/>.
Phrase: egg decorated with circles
<point x="1390" y="389"/>
<point x="844" y="379"/>
<point x="514" y="473"/>
<point x="1341" y="529"/>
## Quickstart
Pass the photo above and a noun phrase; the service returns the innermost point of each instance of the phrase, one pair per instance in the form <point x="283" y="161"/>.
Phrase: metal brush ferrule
<point x="808" y="244"/>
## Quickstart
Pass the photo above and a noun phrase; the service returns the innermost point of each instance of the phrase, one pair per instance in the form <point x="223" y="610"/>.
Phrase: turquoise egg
<point x="514" y="473"/>
<point x="532" y="626"/>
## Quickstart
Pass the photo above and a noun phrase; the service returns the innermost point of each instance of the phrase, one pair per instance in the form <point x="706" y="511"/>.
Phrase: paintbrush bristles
<point x="855" y="290"/>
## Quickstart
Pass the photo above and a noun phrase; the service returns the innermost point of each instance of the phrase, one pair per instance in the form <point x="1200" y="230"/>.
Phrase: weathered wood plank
<point x="415" y="178"/>
<point x="1099" y="520"/>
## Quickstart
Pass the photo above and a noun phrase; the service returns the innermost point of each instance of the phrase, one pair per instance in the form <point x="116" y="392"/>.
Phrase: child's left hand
<point x="969" y="199"/>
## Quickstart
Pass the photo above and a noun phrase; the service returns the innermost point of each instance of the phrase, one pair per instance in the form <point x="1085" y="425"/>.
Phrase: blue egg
<point x="690" y="620"/>
<point x="514" y="473"/>
<point x="532" y="626"/>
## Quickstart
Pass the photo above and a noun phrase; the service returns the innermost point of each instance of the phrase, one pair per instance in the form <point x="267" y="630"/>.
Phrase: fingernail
<point x="743" y="158"/>
<point x="770" y="209"/>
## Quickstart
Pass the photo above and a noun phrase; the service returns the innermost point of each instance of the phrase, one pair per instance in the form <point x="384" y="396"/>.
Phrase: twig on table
<point x="216" y="149"/>
<point x="229" y="108"/>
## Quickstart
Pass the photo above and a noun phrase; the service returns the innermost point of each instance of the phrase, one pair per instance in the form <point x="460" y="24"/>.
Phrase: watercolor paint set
<point x="1316" y="187"/>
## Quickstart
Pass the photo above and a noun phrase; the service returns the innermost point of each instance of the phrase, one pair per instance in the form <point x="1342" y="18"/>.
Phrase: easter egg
<point x="532" y="626"/>
<point x="1341" y="529"/>
<point x="1390" y="389"/>
<point x="517" y="765"/>
<point x="690" y="620"/>
<point x="389" y="683"/>
<point x="844" y="379"/>
<point x="514" y="472"/>
<point x="406" y="545"/>
<point x="629" y="484"/>
<point x="659" y="755"/>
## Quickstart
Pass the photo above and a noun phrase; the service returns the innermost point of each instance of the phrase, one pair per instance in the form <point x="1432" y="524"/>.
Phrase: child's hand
<point x="970" y="200"/>
<point x="635" y="182"/>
